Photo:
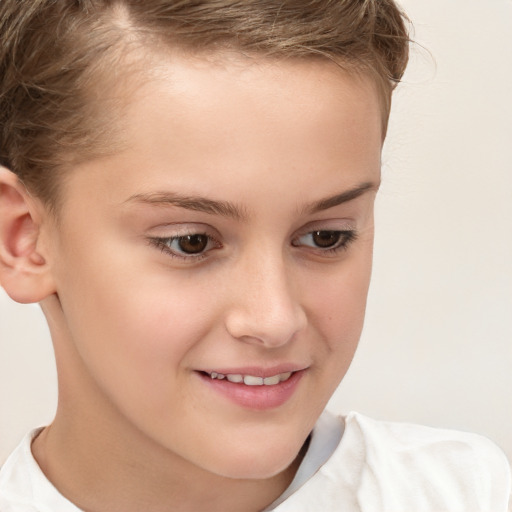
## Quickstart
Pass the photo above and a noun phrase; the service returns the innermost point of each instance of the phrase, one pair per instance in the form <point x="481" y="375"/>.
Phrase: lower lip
<point x="255" y="397"/>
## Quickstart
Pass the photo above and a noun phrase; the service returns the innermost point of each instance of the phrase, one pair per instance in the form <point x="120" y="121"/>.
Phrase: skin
<point x="137" y="428"/>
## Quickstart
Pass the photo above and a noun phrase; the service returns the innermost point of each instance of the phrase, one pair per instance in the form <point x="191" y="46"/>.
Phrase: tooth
<point x="249" y="380"/>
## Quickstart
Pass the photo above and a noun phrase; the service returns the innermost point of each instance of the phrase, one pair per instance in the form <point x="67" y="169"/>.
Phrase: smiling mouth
<point x="251" y="380"/>
<point x="254" y="388"/>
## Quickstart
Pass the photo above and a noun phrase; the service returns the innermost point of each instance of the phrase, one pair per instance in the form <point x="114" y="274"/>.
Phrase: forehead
<point x="198" y="123"/>
<point x="197" y="96"/>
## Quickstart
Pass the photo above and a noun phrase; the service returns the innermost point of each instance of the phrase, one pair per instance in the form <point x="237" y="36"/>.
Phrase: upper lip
<point x="258" y="371"/>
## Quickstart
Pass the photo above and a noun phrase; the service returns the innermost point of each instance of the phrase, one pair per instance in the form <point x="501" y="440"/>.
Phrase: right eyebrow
<point x="195" y="203"/>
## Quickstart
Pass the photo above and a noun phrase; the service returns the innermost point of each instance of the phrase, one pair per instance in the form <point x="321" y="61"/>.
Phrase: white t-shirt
<point x="353" y="464"/>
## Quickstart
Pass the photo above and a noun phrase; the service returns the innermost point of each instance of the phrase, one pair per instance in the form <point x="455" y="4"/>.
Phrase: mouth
<point x="254" y="388"/>
<point x="251" y="380"/>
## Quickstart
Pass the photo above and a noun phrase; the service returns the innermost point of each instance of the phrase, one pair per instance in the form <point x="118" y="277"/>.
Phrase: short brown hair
<point x="52" y="52"/>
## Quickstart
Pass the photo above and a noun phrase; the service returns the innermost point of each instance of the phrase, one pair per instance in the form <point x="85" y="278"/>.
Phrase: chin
<point x="257" y="464"/>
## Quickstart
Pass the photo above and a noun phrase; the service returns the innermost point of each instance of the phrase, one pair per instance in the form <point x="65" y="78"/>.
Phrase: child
<point x="187" y="189"/>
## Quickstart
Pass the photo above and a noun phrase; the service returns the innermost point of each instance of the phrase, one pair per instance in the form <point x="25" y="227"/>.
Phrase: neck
<point x="126" y="472"/>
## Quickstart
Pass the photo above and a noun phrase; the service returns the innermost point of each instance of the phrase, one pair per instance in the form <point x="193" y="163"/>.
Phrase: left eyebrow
<point x="344" y="197"/>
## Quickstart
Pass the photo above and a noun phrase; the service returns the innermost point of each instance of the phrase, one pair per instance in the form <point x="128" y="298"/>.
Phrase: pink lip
<point x="255" y="397"/>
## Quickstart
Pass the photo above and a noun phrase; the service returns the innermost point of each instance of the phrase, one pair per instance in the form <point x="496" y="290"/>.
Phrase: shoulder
<point x="418" y="444"/>
<point x="383" y="466"/>
<point x="441" y="469"/>
<point x="10" y="505"/>
<point x="16" y="479"/>
<point x="23" y="486"/>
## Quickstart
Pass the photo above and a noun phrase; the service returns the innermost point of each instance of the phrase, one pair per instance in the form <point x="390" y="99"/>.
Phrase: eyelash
<point x="164" y="243"/>
<point x="347" y="237"/>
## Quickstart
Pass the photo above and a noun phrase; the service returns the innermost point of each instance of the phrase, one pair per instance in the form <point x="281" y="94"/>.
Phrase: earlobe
<point x="24" y="272"/>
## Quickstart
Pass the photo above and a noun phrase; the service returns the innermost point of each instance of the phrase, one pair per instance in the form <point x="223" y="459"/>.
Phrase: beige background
<point x="437" y="346"/>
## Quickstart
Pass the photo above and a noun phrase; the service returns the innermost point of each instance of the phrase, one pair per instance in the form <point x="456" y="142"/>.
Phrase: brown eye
<point x="192" y="248"/>
<point x="192" y="244"/>
<point x="325" y="239"/>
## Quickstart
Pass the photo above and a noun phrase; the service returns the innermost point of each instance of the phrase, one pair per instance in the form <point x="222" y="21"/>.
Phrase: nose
<point x="265" y="307"/>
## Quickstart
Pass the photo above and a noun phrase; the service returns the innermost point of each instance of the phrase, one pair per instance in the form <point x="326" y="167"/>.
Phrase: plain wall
<point x="437" y="345"/>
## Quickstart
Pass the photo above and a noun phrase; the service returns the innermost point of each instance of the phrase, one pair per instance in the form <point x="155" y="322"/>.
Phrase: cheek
<point x="132" y="332"/>
<point x="341" y="300"/>
<point x="337" y="314"/>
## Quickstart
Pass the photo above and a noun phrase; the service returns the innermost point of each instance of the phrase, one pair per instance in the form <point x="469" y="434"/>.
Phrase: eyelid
<point x="164" y="241"/>
<point x="345" y="227"/>
<point x="327" y="225"/>
<point x="345" y="238"/>
<point x="175" y="229"/>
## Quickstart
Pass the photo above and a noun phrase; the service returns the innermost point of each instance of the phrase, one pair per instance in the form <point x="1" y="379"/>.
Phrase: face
<point x="212" y="277"/>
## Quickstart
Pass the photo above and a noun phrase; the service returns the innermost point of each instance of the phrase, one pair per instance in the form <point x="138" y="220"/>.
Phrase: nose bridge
<point x="266" y="307"/>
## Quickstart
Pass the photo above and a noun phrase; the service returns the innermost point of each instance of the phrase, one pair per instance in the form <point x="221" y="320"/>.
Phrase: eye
<point x="190" y="246"/>
<point x="327" y="240"/>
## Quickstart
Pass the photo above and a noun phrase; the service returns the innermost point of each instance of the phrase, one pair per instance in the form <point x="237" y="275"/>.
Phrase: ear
<point x="24" y="272"/>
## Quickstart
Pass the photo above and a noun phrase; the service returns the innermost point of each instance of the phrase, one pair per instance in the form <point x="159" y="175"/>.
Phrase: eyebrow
<point x="231" y="210"/>
<point x="337" y="199"/>
<point x="195" y="203"/>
